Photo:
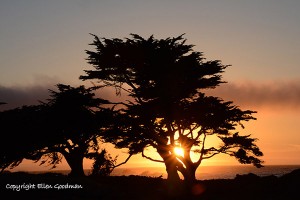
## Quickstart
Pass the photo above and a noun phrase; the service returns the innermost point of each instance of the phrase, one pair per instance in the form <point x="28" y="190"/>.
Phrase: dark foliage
<point x="103" y="163"/>
<point x="68" y="125"/>
<point x="20" y="134"/>
<point x="165" y="81"/>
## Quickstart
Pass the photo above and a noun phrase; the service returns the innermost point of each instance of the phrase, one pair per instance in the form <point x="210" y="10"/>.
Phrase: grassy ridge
<point x="248" y="186"/>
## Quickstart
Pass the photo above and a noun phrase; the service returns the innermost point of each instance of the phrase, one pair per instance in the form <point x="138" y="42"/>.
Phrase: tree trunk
<point x="170" y="164"/>
<point x="188" y="170"/>
<point x="171" y="169"/>
<point x="75" y="162"/>
<point x="173" y="179"/>
<point x="190" y="175"/>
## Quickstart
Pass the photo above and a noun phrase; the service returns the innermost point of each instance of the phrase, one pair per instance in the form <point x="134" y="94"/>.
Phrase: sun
<point x="179" y="151"/>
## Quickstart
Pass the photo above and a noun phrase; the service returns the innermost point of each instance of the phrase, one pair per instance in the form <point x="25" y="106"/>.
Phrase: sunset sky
<point x="43" y="43"/>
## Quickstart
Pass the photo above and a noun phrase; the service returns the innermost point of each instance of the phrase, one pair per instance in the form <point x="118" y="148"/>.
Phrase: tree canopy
<point x="166" y="107"/>
<point x="165" y="81"/>
<point x="20" y="134"/>
<point x="68" y="125"/>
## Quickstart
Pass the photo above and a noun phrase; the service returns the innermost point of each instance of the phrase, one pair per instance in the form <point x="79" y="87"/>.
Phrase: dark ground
<point x="246" y="187"/>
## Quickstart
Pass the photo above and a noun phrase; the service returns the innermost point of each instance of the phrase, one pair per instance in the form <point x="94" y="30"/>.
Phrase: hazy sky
<point x="42" y="43"/>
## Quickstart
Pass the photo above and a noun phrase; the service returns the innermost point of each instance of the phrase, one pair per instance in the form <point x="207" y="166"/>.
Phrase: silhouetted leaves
<point x="68" y="124"/>
<point x="103" y="163"/>
<point x="165" y="106"/>
<point x="165" y="81"/>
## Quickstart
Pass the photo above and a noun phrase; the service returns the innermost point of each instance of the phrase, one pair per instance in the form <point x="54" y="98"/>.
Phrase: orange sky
<point x="276" y="129"/>
<point x="43" y="43"/>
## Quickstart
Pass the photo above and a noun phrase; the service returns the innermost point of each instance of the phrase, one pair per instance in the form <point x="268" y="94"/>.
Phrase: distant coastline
<point x="204" y="172"/>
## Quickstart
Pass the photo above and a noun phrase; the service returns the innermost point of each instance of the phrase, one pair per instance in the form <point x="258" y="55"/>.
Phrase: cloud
<point x="27" y="94"/>
<point x="282" y="94"/>
<point x="19" y="96"/>
<point x="247" y="94"/>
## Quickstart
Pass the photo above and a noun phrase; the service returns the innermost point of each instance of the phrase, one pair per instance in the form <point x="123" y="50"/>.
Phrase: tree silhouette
<point x="165" y="81"/>
<point x="103" y="163"/>
<point x="68" y="125"/>
<point x="21" y="134"/>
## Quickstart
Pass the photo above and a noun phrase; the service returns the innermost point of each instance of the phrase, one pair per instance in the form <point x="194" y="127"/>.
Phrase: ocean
<point x="213" y="172"/>
<point x="203" y="172"/>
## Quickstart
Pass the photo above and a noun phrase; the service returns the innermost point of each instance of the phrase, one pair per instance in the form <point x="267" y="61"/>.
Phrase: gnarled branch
<point x="149" y="158"/>
<point x="122" y="163"/>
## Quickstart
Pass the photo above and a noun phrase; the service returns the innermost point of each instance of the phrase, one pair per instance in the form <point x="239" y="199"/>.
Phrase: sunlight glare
<point x="179" y="151"/>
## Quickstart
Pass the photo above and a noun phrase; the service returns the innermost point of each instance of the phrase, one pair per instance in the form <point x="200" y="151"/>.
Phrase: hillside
<point x="58" y="186"/>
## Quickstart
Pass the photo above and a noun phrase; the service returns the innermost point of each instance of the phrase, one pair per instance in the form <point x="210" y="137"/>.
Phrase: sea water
<point x="213" y="172"/>
<point x="203" y="172"/>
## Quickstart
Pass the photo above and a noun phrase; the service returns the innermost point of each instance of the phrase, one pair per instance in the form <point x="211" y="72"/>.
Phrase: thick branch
<point x="191" y="129"/>
<point x="149" y="158"/>
<point x="200" y="133"/>
<point x="123" y="162"/>
<point x="212" y="155"/>
<point x="202" y="150"/>
<point x="218" y="151"/>
<point x="170" y="132"/>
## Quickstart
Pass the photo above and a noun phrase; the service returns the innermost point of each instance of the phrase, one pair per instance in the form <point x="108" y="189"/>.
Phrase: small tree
<point x="77" y="119"/>
<point x="103" y="163"/>
<point x="68" y="125"/>
<point x="166" y="81"/>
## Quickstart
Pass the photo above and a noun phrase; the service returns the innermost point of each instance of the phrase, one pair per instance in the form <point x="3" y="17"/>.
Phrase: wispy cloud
<point x="283" y="94"/>
<point x="27" y="94"/>
<point x="252" y="95"/>
<point x="19" y="96"/>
